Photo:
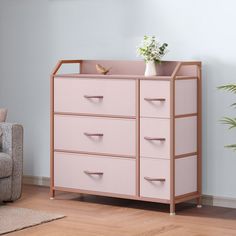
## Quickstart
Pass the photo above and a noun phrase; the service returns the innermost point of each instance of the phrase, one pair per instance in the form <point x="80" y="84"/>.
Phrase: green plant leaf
<point x="233" y="146"/>
<point x="229" y="121"/>
<point x="228" y="87"/>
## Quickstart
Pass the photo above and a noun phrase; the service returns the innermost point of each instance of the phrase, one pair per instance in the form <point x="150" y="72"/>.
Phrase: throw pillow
<point x="3" y="114"/>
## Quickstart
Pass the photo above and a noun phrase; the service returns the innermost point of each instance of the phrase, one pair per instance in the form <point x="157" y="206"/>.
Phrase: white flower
<point x="151" y="50"/>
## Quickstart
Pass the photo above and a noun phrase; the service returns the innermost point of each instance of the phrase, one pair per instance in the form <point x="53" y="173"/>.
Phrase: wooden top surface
<point x="140" y="77"/>
<point x="166" y="70"/>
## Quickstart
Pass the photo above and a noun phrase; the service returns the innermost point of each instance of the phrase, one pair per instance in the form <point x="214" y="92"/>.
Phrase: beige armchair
<point x="11" y="161"/>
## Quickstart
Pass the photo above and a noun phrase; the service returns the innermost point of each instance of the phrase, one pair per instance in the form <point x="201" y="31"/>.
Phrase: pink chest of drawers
<point x="126" y="135"/>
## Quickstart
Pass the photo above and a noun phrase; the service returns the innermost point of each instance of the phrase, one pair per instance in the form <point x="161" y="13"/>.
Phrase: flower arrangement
<point x="152" y="50"/>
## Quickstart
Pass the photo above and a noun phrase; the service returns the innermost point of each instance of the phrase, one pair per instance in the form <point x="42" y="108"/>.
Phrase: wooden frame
<point x="196" y="195"/>
<point x="173" y="77"/>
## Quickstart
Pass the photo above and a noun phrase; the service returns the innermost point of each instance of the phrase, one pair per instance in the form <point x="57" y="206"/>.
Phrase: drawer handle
<point x="155" y="179"/>
<point x="93" y="134"/>
<point x="89" y="97"/>
<point x="93" y="172"/>
<point x="155" y="99"/>
<point x="155" y="139"/>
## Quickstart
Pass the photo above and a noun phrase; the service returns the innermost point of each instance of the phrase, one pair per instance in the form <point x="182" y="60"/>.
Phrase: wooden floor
<point x="90" y="216"/>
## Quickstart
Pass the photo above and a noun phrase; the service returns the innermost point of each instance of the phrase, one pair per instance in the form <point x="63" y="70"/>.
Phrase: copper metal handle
<point x="155" y="139"/>
<point x="88" y="96"/>
<point x="155" y="99"/>
<point x="155" y="179"/>
<point x="93" y="172"/>
<point x="93" y="134"/>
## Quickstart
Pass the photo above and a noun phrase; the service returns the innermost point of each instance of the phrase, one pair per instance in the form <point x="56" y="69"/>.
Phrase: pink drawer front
<point x="155" y="98"/>
<point x="95" y="135"/>
<point x="155" y="138"/>
<point x="155" y="178"/>
<point x="185" y="96"/>
<point x="186" y="135"/>
<point x="95" y="96"/>
<point x="185" y="175"/>
<point x="95" y="173"/>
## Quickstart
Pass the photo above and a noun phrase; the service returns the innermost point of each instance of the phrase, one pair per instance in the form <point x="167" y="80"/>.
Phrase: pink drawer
<point x="155" y="138"/>
<point x="185" y="175"/>
<point x="155" y="178"/>
<point x="95" y="96"/>
<point x="95" y="173"/>
<point x="155" y="98"/>
<point x="94" y="134"/>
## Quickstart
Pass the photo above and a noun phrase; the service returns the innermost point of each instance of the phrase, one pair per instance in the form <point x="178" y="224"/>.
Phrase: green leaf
<point x="229" y="121"/>
<point x="233" y="146"/>
<point x="228" y="87"/>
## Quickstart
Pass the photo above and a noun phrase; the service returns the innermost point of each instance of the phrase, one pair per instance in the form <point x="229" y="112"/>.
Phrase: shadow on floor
<point x="182" y="209"/>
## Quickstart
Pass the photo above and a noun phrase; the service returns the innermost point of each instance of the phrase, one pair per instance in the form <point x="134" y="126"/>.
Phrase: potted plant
<point x="231" y="122"/>
<point x="152" y="52"/>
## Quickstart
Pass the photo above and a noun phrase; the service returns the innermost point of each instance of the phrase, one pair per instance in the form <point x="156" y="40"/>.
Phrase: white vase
<point x="150" y="68"/>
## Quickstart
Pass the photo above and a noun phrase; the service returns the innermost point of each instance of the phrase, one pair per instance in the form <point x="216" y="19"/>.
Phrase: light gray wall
<point x="35" y="34"/>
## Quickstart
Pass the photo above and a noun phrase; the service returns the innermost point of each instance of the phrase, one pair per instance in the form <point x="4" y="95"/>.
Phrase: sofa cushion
<point x="5" y="189"/>
<point x="5" y="165"/>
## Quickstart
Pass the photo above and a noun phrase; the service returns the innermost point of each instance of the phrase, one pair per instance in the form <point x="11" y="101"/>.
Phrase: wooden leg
<point x="172" y="209"/>
<point x="52" y="194"/>
<point x="199" y="202"/>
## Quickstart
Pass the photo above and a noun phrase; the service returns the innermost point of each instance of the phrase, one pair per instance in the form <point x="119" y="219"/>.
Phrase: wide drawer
<point x="155" y="178"/>
<point x="95" y="134"/>
<point x="155" y="138"/>
<point x="95" y="173"/>
<point x="95" y="96"/>
<point x="155" y="98"/>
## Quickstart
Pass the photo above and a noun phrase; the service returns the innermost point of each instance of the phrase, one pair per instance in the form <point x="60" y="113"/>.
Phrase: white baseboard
<point x="36" y="180"/>
<point x="206" y="199"/>
<point x="219" y="201"/>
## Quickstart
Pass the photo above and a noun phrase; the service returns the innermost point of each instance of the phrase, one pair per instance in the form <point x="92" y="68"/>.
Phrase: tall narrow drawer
<point x="95" y="134"/>
<point x="155" y="138"/>
<point x="155" y="98"/>
<point x="155" y="178"/>
<point x="95" y="173"/>
<point x="95" y="96"/>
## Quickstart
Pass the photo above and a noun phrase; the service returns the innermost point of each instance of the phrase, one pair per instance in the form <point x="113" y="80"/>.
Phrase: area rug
<point x="14" y="219"/>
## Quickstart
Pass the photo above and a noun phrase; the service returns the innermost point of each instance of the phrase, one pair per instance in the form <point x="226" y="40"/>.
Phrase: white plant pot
<point x="150" y="68"/>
